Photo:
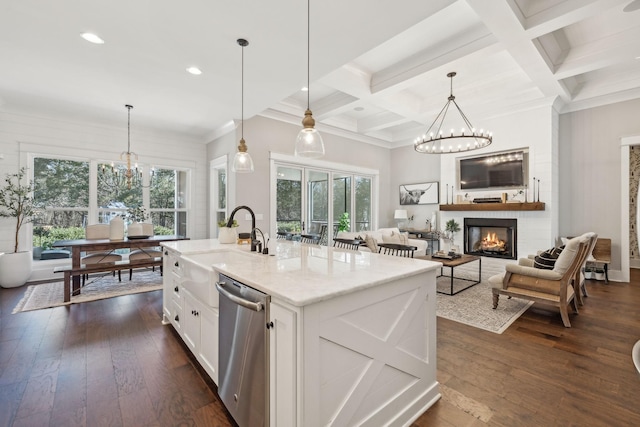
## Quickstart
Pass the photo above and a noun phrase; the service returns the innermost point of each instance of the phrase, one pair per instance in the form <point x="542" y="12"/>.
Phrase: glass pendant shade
<point x="309" y="141"/>
<point x="242" y="162"/>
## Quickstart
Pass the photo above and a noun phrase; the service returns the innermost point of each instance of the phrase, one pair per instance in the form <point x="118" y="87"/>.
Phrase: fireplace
<point x="491" y="237"/>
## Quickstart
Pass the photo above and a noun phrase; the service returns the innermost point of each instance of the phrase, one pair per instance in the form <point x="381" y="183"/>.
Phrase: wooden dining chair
<point x="397" y="249"/>
<point x="145" y="253"/>
<point x="352" y="244"/>
<point x="98" y="232"/>
<point x="311" y="239"/>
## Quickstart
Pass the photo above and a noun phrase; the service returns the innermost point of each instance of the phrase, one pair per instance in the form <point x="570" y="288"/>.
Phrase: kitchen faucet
<point x="262" y="246"/>
<point x="253" y="224"/>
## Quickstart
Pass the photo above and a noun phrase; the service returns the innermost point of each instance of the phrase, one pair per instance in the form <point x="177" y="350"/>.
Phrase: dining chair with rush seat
<point x="144" y="253"/>
<point x="98" y="232"/>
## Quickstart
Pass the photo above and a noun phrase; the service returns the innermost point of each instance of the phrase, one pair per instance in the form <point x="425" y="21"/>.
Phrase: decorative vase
<point x="116" y="229"/>
<point x="445" y="245"/>
<point x="15" y="269"/>
<point x="135" y="229"/>
<point x="227" y="235"/>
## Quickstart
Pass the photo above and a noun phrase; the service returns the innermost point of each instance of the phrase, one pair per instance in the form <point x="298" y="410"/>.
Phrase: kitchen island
<point x="353" y="335"/>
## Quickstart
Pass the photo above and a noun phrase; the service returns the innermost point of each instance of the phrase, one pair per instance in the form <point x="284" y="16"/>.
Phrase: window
<point x="168" y="201"/>
<point x="311" y="200"/>
<point x="219" y="191"/>
<point x="68" y="201"/>
<point x="62" y="192"/>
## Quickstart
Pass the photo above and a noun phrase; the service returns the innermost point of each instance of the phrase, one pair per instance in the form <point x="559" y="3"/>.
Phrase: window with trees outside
<point x="67" y="201"/>
<point x="321" y="202"/>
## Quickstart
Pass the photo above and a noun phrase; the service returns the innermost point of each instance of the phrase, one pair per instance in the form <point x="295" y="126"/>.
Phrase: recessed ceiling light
<point x="305" y="89"/>
<point x="90" y="37"/>
<point x="194" y="70"/>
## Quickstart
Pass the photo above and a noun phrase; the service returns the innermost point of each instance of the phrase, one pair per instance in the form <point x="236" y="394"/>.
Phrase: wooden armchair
<point x="546" y="287"/>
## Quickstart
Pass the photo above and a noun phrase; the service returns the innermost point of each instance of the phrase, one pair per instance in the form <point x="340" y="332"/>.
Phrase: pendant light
<point x="242" y="162"/>
<point x="309" y="141"/>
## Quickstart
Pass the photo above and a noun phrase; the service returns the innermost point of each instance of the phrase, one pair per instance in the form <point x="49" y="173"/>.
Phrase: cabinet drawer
<point x="175" y="288"/>
<point x="175" y="309"/>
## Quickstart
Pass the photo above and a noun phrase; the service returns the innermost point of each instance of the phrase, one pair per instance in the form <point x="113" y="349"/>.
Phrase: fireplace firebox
<point x="491" y="237"/>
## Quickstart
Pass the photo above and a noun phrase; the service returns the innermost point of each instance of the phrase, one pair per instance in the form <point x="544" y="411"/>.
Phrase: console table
<point x="432" y="238"/>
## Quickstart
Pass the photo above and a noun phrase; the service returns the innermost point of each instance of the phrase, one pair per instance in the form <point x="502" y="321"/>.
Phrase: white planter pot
<point x="227" y="235"/>
<point x="15" y="269"/>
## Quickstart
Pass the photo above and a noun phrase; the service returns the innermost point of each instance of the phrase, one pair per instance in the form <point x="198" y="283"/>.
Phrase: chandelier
<point x="309" y="141"/>
<point x="437" y="141"/>
<point x="119" y="175"/>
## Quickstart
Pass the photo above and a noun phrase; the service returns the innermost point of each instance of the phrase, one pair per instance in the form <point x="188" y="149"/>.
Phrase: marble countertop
<point x="297" y="273"/>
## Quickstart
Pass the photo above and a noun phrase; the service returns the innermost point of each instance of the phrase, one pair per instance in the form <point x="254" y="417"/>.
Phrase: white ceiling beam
<point x="501" y="20"/>
<point x="404" y="74"/>
<point x="565" y="13"/>
<point x="599" y="54"/>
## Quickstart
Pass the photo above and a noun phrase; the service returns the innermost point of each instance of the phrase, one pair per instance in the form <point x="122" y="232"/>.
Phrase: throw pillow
<point x="391" y="238"/>
<point x="372" y="244"/>
<point x="404" y="238"/>
<point x="547" y="260"/>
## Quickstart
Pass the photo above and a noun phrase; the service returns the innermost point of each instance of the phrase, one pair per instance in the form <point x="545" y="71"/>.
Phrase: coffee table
<point x="453" y="263"/>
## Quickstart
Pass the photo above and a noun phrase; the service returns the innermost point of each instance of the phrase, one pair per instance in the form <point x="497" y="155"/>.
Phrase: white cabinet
<point x="283" y="371"/>
<point x="200" y="333"/>
<point x="192" y="317"/>
<point x="172" y="289"/>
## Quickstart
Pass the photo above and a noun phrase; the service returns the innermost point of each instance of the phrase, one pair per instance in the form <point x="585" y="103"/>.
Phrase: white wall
<point x="21" y="132"/>
<point x="590" y="170"/>
<point x="264" y="135"/>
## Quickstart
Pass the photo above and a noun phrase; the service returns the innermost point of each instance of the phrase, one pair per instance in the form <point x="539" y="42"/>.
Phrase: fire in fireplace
<point x="490" y="237"/>
<point x="491" y="243"/>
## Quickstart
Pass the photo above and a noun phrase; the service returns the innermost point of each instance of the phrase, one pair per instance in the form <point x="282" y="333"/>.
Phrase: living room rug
<point x="47" y="295"/>
<point x="473" y="306"/>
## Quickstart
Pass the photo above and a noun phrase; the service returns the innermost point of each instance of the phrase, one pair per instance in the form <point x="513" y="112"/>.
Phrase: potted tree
<point x="450" y="229"/>
<point x="16" y="201"/>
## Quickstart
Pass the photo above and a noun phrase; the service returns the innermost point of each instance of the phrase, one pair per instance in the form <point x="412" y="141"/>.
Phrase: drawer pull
<point x="176" y="290"/>
<point x="177" y="318"/>
<point x="176" y="264"/>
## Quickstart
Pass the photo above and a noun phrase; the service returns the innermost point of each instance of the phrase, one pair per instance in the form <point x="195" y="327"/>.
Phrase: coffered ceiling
<point x="378" y="69"/>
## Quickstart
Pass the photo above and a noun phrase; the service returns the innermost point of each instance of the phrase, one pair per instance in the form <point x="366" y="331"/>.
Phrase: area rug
<point x="47" y="295"/>
<point x="473" y="306"/>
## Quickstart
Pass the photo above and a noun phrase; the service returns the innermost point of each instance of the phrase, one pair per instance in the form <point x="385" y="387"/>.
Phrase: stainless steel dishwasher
<point x="243" y="352"/>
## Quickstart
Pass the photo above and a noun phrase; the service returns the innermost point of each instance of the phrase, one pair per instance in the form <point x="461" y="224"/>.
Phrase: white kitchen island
<point x="353" y="340"/>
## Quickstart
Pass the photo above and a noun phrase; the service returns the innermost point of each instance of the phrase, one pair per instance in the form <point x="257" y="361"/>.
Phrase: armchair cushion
<point x="568" y="254"/>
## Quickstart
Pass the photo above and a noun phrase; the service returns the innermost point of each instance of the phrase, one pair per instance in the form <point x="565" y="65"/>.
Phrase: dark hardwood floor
<point x="113" y="363"/>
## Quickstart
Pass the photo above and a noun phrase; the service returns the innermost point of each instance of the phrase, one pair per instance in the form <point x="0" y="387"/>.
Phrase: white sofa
<point x="385" y="235"/>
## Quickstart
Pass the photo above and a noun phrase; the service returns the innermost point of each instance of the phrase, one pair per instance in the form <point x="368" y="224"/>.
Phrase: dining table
<point x="78" y="246"/>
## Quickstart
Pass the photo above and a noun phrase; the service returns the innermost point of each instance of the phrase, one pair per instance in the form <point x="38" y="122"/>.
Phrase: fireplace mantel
<point x="531" y="206"/>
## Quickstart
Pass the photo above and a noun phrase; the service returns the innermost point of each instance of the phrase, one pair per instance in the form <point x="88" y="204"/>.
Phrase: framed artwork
<point x="426" y="193"/>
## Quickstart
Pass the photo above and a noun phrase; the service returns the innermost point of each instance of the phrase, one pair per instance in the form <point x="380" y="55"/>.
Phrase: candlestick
<point x="534" y="188"/>
<point x="538" y="190"/>
<point x="447" y="196"/>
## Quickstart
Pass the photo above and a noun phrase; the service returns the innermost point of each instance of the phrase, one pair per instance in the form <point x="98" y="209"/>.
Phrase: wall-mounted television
<point x="500" y="170"/>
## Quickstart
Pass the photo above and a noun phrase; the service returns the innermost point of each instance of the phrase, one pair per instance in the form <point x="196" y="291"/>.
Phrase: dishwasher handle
<point x="255" y="306"/>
